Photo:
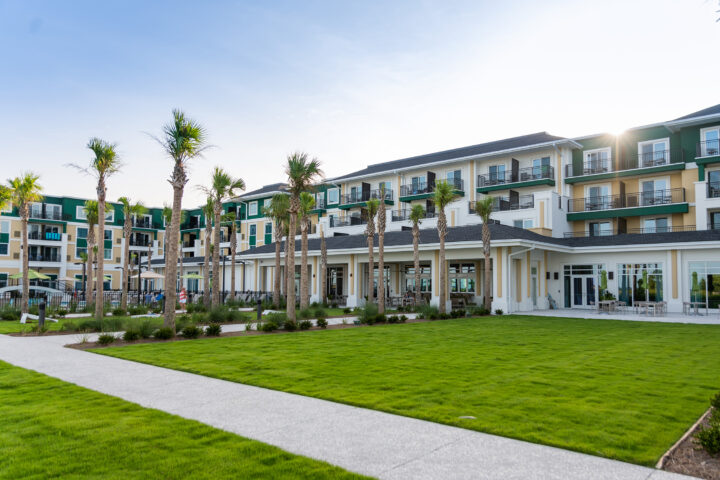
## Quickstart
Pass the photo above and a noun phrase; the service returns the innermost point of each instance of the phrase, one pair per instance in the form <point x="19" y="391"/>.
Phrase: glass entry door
<point x="581" y="285"/>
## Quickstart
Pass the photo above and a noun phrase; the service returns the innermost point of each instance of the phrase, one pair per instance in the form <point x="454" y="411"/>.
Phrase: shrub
<point x="305" y="325"/>
<point x="131" y="335"/>
<point x="715" y="402"/>
<point x="444" y="316"/>
<point x="137" y="310"/>
<point x="709" y="438"/>
<point x="118" y="312"/>
<point x="164" y="333"/>
<point x="290" y="325"/>
<point x="249" y="326"/>
<point x="428" y="312"/>
<point x="277" y="318"/>
<point x="146" y="328"/>
<point x="69" y="326"/>
<point x="319" y="312"/>
<point x="114" y="324"/>
<point x="182" y="321"/>
<point x="213" y="330"/>
<point x="61" y="312"/>
<point x="459" y="313"/>
<point x="380" y="318"/>
<point x="89" y="325"/>
<point x="196" y="307"/>
<point x="498" y="311"/>
<point x="322" y="323"/>
<point x="402" y="318"/>
<point x="106" y="339"/>
<point x="393" y="319"/>
<point x="157" y="310"/>
<point x="269" y="327"/>
<point x="38" y="329"/>
<point x="368" y="315"/>
<point x="9" y="314"/>
<point x="305" y="313"/>
<point x="191" y="331"/>
<point x="217" y="315"/>
<point x="347" y="310"/>
<point x="479" y="311"/>
<point x="334" y="305"/>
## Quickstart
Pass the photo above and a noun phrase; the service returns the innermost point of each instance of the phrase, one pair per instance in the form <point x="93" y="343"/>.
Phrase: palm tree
<point x="208" y="210"/>
<point x="302" y="174"/>
<point x="277" y="211"/>
<point x="307" y="203"/>
<point x="444" y="194"/>
<point x="25" y="190"/>
<point x="5" y="197"/>
<point x="167" y="216"/>
<point x="105" y="164"/>
<point x="222" y="189"/>
<point x="129" y="211"/>
<point x="484" y="210"/>
<point x="84" y="257"/>
<point x="91" y="217"/>
<point x="183" y="140"/>
<point x="372" y="208"/>
<point x="381" y="219"/>
<point x="417" y="213"/>
<point x="230" y="220"/>
<point x="323" y="269"/>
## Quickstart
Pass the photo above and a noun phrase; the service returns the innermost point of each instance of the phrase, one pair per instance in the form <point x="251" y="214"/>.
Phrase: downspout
<point x="509" y="270"/>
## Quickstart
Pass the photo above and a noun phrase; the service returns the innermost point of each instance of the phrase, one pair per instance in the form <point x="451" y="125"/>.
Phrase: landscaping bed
<point x="689" y="457"/>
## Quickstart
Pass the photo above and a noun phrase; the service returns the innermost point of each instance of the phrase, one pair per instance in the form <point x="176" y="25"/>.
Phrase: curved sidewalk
<point x="365" y="441"/>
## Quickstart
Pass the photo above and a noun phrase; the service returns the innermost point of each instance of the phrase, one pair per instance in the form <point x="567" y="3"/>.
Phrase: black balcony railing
<point x="139" y="242"/>
<point x="708" y="148"/>
<point x="188" y="244"/>
<point x="404" y="215"/>
<point x="504" y="204"/>
<point x="591" y="233"/>
<point x="359" y="197"/>
<point x="653" y="159"/>
<point x="47" y="257"/>
<point x="590" y="167"/>
<point x="523" y="175"/>
<point x="48" y="215"/>
<point x="346" y="221"/>
<point x="319" y="203"/>
<point x="142" y="223"/>
<point x="645" y="230"/>
<point x="51" y="236"/>
<point x="642" y="199"/>
<point x="418" y="188"/>
<point x="713" y="190"/>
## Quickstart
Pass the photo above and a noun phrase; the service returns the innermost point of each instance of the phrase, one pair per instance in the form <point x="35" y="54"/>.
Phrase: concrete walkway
<point x="712" y="318"/>
<point x="365" y="441"/>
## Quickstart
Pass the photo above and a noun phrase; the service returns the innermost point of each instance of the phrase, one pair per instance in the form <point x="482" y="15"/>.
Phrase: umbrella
<point x="32" y="275"/>
<point x="151" y="275"/>
<point x="69" y="279"/>
<point x="193" y="276"/>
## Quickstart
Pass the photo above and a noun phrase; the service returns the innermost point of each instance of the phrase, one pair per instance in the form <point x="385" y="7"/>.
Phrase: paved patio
<point x="365" y="441"/>
<point x="711" y="319"/>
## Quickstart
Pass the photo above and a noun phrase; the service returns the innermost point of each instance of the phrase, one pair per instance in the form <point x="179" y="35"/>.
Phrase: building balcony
<point x="145" y="223"/>
<point x="48" y="257"/>
<point x="507" y="204"/>
<point x="346" y="221"/>
<point x="49" y="215"/>
<point x="637" y="231"/>
<point x="713" y="190"/>
<point x="359" y="199"/>
<point x="636" y="164"/>
<point x="45" y="236"/>
<point x="404" y="215"/>
<point x="523" y="177"/>
<point x="140" y="242"/>
<point x="710" y="148"/>
<point x="422" y="190"/>
<point x="630" y="204"/>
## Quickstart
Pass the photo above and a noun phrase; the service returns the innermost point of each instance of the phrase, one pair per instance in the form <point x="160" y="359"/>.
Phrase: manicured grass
<point x="619" y="389"/>
<point x="14" y="326"/>
<point x="53" y="429"/>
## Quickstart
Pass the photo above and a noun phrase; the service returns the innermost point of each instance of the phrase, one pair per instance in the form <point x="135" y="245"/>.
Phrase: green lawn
<point x="52" y="429"/>
<point x="14" y="326"/>
<point x="625" y="390"/>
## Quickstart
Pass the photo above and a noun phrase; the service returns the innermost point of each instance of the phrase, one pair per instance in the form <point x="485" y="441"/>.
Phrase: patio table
<point x="607" y="306"/>
<point x="694" y="307"/>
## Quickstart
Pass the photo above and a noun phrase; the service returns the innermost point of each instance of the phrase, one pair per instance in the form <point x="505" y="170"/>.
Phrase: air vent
<point x="117" y="259"/>
<point x="118" y="241"/>
<point x="16" y="256"/>
<point x="68" y="258"/>
<point x="16" y="233"/>
<point x="69" y="237"/>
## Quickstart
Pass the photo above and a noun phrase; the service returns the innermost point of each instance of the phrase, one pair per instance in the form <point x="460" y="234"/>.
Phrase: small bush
<point x="305" y="325"/>
<point x="131" y="335"/>
<point x="444" y="316"/>
<point x="319" y="312"/>
<point x="213" y="330"/>
<point x="118" y="312"/>
<point x="498" y="311"/>
<point x="191" y="331"/>
<point x="89" y="325"/>
<point x="38" y="329"/>
<point x="290" y="325"/>
<point x="61" y="312"/>
<point x="459" y="313"/>
<point x="322" y="323"/>
<point x="9" y="314"/>
<point x="137" y="310"/>
<point x="393" y="319"/>
<point x="709" y="438"/>
<point x="368" y="315"/>
<point x="715" y="402"/>
<point x="305" y="313"/>
<point x="114" y="324"/>
<point x="164" y="333"/>
<point x="217" y="315"/>
<point x="380" y="318"/>
<point x="146" y="328"/>
<point x="269" y="327"/>
<point x="428" y="312"/>
<point x="403" y="318"/>
<point x="347" y="310"/>
<point x="478" y="311"/>
<point x="277" y="318"/>
<point x="196" y="307"/>
<point x="334" y="305"/>
<point x="69" y="326"/>
<point x="249" y="326"/>
<point x="106" y="339"/>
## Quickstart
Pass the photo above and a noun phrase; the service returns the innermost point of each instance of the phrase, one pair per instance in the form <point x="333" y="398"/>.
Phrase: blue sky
<point x="349" y="82"/>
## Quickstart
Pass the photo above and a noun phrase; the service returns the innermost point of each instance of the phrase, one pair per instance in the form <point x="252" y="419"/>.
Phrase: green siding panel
<point x="629" y="212"/>
<point x="626" y="173"/>
<point x="508" y="186"/>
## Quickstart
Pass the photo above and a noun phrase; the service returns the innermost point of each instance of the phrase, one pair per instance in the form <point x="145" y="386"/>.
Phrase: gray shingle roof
<point x="714" y="110"/>
<point x="272" y="188"/>
<point x="498" y="232"/>
<point x="489" y="147"/>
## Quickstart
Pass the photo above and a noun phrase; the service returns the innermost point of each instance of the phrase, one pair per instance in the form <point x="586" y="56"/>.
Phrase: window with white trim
<point x="523" y="223"/>
<point x="333" y="195"/>
<point x="596" y="161"/>
<point x="652" y="153"/>
<point x="80" y="212"/>
<point x="710" y="142"/>
<point x="253" y="208"/>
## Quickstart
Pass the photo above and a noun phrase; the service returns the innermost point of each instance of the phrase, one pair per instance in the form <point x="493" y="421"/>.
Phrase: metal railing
<point x="590" y="233"/>
<point x="404" y="215"/>
<point x="653" y="159"/>
<point x="708" y="148"/>
<point x="590" y="167"/>
<point x="713" y="190"/>
<point x="640" y="199"/>
<point x="421" y="188"/>
<point x="51" y="236"/>
<point x="681" y="228"/>
<point x="189" y="244"/>
<point x="319" y="203"/>
<point x="523" y="175"/>
<point x="142" y="223"/>
<point x="48" y="257"/>
<point x="645" y="230"/>
<point x="139" y="242"/>
<point x="505" y="204"/>
<point x="48" y="215"/>
<point x="346" y="221"/>
<point x="359" y="197"/>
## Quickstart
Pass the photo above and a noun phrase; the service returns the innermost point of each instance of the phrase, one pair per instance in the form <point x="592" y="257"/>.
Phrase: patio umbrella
<point x="193" y="276"/>
<point x="151" y="275"/>
<point x="32" y="275"/>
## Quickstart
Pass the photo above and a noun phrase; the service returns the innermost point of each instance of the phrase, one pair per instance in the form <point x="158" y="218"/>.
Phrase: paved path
<point x="365" y="441"/>
<point x="710" y="319"/>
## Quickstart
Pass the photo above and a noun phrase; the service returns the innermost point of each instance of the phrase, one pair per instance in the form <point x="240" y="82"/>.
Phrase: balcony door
<point x="418" y="185"/>
<point x="654" y="192"/>
<point x="597" y="197"/>
<point x="714" y="184"/>
<point x="541" y="167"/>
<point x="653" y="153"/>
<point x="710" y="142"/>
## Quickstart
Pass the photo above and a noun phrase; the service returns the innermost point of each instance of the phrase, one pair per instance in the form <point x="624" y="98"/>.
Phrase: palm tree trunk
<point x="323" y="269"/>
<point x="100" y="299"/>
<point x="127" y="230"/>
<point x="285" y="273"/>
<point x="416" y="262"/>
<point x="303" y="264"/>
<point x="486" y="251"/>
<point x="442" y="231"/>
<point x="90" y="253"/>
<point x="25" y="261"/>
<point x="172" y="250"/>
<point x="291" y="259"/>
<point x="371" y="268"/>
<point x="276" y="286"/>
<point x="149" y="263"/>
<point x="206" y="269"/>
<point x="216" y="256"/>
<point x="381" y="257"/>
<point x="233" y="251"/>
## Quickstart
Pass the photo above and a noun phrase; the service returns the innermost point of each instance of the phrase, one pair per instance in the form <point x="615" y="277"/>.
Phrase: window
<point x="497" y="173"/>
<point x="82" y="232"/>
<point x="253" y="208"/>
<point x="710" y="141"/>
<point x="268" y="228"/>
<point x="715" y="220"/>
<point x="713" y="189"/>
<point x="596" y="161"/>
<point x="253" y="229"/>
<point x="108" y="235"/>
<point x="333" y="195"/>
<point x="640" y="282"/>
<point x="705" y="283"/>
<point x="655" y="225"/>
<point x="355" y="194"/>
<point x="654" y="192"/>
<point x="107" y="254"/>
<point x="454" y="178"/>
<point x="418" y="184"/>
<point x="4" y="237"/>
<point x="653" y="152"/>
<point x="598" y="198"/>
<point x="80" y="212"/>
<point x="425" y="278"/>
<point x="36" y="210"/>
<point x="599" y="229"/>
<point x="462" y="277"/>
<point x="524" y="223"/>
<point x="3" y="280"/>
<point x="53" y="212"/>
<point x="541" y="167"/>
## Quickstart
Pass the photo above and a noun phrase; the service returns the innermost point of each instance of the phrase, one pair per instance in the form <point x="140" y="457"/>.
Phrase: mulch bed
<point x="689" y="458"/>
